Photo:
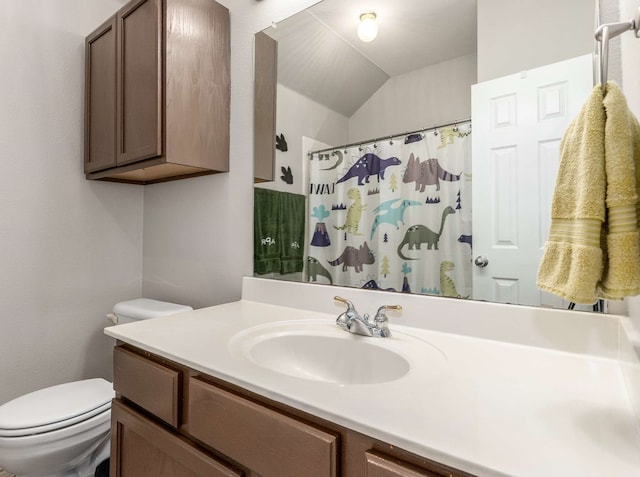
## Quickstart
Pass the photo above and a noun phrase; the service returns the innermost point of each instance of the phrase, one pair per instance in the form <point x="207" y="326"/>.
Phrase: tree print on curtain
<point x="394" y="215"/>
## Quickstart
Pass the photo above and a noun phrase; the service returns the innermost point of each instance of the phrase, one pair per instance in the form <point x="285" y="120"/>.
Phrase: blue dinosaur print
<point x="391" y="212"/>
<point x="367" y="166"/>
<point x="468" y="239"/>
<point x="373" y="285"/>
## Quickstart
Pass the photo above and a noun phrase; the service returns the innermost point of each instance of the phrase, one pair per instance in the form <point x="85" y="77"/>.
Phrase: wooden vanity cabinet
<point x="157" y="92"/>
<point x="225" y="430"/>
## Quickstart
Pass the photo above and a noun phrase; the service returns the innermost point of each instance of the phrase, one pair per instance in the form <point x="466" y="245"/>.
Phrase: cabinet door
<point x="141" y="448"/>
<point x="379" y="465"/>
<point x="100" y="98"/>
<point x="265" y="84"/>
<point x="140" y="82"/>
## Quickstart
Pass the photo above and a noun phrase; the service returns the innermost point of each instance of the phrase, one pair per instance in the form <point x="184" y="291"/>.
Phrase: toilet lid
<point x="55" y="407"/>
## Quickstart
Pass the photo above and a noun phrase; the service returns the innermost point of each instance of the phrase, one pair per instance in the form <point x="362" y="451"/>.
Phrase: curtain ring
<point x="391" y="140"/>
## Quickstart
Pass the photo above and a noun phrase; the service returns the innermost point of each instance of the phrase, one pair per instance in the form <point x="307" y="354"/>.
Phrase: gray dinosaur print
<point x="391" y="212"/>
<point x="315" y="269"/>
<point x="428" y="172"/>
<point x="338" y="162"/>
<point x="355" y="257"/>
<point x="367" y="166"/>
<point x="416" y="235"/>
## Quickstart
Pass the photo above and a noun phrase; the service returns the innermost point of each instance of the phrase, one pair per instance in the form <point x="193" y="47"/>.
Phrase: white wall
<point x="429" y="96"/>
<point x="296" y="117"/>
<point x="630" y="52"/>
<point x="69" y="248"/>
<point x="198" y="233"/>
<point x="548" y="31"/>
<point x="631" y="86"/>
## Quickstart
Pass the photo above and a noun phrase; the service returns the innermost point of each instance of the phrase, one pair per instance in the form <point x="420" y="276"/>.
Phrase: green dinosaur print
<point x="354" y="213"/>
<point x="447" y="285"/>
<point x="416" y="235"/>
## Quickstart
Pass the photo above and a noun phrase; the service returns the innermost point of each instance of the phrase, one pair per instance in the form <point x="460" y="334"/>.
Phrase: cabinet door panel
<point x="379" y="465"/>
<point x="139" y="100"/>
<point x="141" y="448"/>
<point x="263" y="440"/>
<point x="264" y="97"/>
<point x="100" y="101"/>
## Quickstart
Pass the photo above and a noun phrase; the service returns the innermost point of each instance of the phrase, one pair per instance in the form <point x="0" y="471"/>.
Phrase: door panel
<point x="100" y="101"/>
<point x="139" y="106"/>
<point x="518" y="122"/>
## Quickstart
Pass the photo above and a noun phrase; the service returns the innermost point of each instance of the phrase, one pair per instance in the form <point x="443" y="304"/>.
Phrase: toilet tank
<point x="143" y="309"/>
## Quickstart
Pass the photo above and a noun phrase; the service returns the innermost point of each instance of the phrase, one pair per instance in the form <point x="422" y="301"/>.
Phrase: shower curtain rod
<point x="393" y="136"/>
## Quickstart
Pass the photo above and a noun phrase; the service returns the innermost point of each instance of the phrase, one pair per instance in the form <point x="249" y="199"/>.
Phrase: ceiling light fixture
<point x="368" y="28"/>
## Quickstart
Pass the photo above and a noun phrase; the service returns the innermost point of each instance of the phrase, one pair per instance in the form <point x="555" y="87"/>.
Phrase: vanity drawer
<point x="264" y="440"/>
<point x="150" y="385"/>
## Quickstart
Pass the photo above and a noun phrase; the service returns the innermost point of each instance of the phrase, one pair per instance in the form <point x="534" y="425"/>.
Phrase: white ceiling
<point x="320" y="55"/>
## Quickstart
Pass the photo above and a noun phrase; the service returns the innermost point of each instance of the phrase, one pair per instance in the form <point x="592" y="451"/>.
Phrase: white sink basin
<point x="321" y="351"/>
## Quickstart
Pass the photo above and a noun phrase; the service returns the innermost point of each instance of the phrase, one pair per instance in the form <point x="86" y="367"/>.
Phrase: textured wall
<point x="429" y="96"/>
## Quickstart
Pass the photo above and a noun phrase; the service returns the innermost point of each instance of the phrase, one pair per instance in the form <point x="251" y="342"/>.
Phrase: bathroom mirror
<point x="336" y="93"/>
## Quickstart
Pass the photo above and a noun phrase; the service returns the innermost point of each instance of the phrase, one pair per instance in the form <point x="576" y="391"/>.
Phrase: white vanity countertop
<point x="489" y="408"/>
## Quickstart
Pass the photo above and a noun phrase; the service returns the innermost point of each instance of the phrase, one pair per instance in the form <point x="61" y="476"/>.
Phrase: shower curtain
<point x="394" y="214"/>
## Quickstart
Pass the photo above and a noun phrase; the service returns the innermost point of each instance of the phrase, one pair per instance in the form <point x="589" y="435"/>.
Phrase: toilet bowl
<point x="64" y="430"/>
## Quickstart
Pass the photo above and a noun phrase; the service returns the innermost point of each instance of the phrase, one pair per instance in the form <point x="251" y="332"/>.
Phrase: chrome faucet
<point x="355" y="323"/>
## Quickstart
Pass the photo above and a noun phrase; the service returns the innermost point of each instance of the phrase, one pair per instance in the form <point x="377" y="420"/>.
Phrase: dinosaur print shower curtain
<point x="394" y="215"/>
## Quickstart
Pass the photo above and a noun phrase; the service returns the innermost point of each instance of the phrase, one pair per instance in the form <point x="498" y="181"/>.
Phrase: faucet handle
<point x="346" y="302"/>
<point x="381" y="317"/>
<point x="344" y="318"/>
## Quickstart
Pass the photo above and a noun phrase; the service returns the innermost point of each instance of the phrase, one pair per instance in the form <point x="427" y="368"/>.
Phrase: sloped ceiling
<point x="321" y="57"/>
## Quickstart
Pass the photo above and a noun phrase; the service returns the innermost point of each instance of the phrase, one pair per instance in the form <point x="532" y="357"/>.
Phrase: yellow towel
<point x="621" y="276"/>
<point x="593" y="248"/>
<point x="572" y="263"/>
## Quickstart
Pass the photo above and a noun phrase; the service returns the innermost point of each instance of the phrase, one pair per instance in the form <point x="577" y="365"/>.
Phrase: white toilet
<point x="63" y="430"/>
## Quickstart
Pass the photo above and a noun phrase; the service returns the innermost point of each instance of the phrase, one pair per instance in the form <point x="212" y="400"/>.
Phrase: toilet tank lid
<point x="55" y="404"/>
<point x="145" y="308"/>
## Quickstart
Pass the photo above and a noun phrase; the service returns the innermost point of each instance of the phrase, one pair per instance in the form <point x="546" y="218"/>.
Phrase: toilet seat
<point x="55" y="407"/>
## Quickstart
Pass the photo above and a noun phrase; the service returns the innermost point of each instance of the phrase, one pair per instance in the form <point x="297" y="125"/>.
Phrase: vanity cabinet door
<point x="100" y="98"/>
<point x="379" y="465"/>
<point x="142" y="448"/>
<point x="139" y="92"/>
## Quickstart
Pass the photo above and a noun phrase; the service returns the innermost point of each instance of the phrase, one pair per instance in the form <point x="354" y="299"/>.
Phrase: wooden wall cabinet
<point x="157" y="92"/>
<point x="264" y="107"/>
<point x="223" y="430"/>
